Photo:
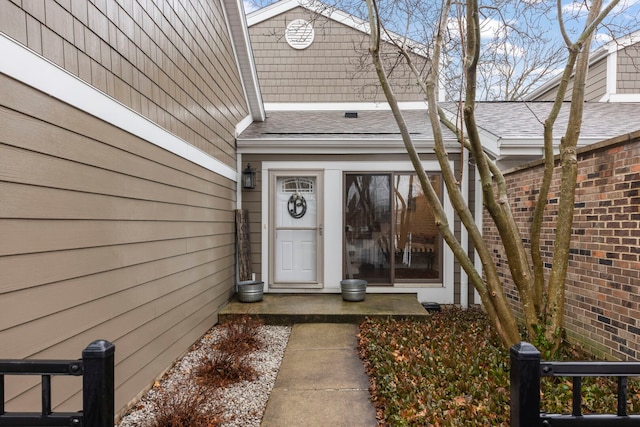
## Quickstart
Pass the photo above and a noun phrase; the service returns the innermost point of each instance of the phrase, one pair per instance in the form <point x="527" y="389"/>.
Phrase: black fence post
<point x="525" y="385"/>
<point x="98" y="384"/>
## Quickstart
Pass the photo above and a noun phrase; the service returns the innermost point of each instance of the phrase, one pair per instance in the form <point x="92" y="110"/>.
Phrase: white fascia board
<point x="341" y="106"/>
<point x="314" y="6"/>
<point x="622" y="42"/>
<point x="241" y="43"/>
<point x="270" y="11"/>
<point x="612" y="74"/>
<point x="26" y="66"/>
<point x="338" y="146"/>
<point x="621" y="97"/>
<point x="326" y="10"/>
<point x="244" y="123"/>
<point x="535" y="146"/>
<point x="490" y="142"/>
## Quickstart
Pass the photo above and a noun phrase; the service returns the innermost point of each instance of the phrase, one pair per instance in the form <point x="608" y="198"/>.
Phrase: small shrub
<point x="184" y="408"/>
<point x="221" y="369"/>
<point x="241" y="336"/>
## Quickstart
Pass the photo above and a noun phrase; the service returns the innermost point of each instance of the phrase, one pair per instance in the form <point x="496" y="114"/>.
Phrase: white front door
<point x="296" y="229"/>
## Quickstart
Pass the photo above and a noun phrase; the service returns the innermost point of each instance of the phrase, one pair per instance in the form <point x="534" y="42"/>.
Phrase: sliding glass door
<point x="390" y="233"/>
<point x="368" y="227"/>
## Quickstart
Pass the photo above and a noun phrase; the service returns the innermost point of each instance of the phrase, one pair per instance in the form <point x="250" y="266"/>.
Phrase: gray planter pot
<point x="353" y="290"/>
<point x="250" y="291"/>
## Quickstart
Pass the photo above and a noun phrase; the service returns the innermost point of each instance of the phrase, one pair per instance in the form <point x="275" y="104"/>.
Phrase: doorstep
<point x="283" y="309"/>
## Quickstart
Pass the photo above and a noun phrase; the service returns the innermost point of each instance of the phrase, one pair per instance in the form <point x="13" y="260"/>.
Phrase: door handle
<point x="320" y="229"/>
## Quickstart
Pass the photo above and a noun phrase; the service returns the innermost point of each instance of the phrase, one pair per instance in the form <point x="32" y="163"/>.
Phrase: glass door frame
<point x="393" y="281"/>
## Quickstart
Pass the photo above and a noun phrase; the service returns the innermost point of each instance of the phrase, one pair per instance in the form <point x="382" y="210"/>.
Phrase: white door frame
<point x="272" y="194"/>
<point x="332" y="175"/>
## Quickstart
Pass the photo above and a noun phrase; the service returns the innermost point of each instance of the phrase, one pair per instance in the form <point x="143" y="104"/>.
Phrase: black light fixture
<point x="249" y="178"/>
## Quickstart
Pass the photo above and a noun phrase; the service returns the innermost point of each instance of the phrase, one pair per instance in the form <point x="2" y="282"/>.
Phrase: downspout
<point x="464" y="234"/>
<point x="479" y="211"/>
<point x="239" y="181"/>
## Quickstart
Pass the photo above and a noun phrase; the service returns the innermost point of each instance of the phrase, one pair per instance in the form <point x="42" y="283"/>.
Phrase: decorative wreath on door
<point x="297" y="206"/>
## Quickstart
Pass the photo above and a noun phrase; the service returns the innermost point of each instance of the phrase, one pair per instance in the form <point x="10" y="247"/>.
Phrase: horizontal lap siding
<point x="171" y="63"/>
<point x="104" y="235"/>
<point x="101" y="242"/>
<point x="595" y="84"/>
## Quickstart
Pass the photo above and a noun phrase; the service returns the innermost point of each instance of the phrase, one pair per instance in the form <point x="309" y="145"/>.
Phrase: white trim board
<point x="26" y="66"/>
<point x="340" y="106"/>
<point x="333" y="176"/>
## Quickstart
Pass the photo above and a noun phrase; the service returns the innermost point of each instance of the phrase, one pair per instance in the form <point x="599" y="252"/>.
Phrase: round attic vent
<point x="299" y="34"/>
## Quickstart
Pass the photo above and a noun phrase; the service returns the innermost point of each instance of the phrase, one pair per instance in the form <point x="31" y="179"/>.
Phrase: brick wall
<point x="603" y="281"/>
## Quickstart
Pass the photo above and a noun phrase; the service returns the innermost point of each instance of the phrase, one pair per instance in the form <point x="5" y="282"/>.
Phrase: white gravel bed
<point x="242" y="404"/>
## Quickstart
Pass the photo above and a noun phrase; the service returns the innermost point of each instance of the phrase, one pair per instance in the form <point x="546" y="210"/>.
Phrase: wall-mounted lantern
<point x="249" y="178"/>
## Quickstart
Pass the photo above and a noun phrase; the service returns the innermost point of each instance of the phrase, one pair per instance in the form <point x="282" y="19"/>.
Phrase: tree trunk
<point x="244" y="244"/>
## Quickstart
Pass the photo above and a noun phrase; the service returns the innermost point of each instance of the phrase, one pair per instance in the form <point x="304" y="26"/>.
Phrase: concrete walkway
<point x="322" y="381"/>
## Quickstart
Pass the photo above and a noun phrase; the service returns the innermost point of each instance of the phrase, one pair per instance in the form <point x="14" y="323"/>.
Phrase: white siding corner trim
<point x="26" y="66"/>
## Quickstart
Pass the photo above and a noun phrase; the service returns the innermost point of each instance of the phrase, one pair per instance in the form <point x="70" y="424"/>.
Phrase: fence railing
<point x="526" y="370"/>
<point x="97" y="370"/>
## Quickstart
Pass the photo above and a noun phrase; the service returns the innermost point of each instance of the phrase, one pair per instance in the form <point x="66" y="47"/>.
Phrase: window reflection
<point x="390" y="237"/>
<point x="368" y="227"/>
<point x="416" y="244"/>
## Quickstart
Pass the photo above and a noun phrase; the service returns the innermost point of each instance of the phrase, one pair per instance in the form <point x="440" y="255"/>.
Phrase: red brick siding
<point x="603" y="281"/>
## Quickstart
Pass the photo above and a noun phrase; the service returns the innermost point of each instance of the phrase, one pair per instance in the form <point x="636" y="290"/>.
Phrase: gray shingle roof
<point x="515" y="125"/>
<point x="334" y="125"/>
<point x="515" y="120"/>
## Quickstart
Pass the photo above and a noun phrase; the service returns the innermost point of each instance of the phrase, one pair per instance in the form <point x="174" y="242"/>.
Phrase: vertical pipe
<point x="479" y="212"/>
<point x="464" y="234"/>
<point x="98" y="384"/>
<point x="1" y="394"/>
<point x="525" y="385"/>
<point x="46" y="395"/>
<point x="577" y="397"/>
<point x="622" y="396"/>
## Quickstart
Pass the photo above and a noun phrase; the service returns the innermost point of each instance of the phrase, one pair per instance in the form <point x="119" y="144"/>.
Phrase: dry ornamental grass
<point x="224" y="380"/>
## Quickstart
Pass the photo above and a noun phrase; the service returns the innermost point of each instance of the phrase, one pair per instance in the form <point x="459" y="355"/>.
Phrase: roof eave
<point x="239" y="33"/>
<point x="332" y="146"/>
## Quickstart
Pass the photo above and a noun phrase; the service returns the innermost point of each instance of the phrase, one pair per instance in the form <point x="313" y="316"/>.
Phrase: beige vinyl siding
<point x="628" y="70"/>
<point x="105" y="236"/>
<point x="548" y="95"/>
<point x="336" y="67"/>
<point x="173" y="63"/>
<point x="595" y="85"/>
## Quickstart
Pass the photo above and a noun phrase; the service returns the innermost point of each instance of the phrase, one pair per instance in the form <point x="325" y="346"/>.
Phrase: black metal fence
<point x="97" y="370"/>
<point x="526" y="370"/>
